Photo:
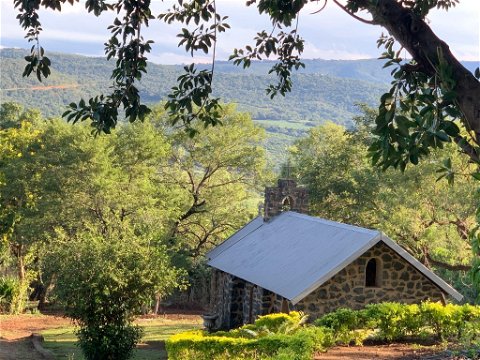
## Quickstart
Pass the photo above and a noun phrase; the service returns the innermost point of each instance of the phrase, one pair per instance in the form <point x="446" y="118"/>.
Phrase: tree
<point x="218" y="172"/>
<point x="433" y="99"/>
<point x="31" y="167"/>
<point x="104" y="281"/>
<point x="404" y="20"/>
<point x="430" y="218"/>
<point x="148" y="178"/>
<point x="56" y="177"/>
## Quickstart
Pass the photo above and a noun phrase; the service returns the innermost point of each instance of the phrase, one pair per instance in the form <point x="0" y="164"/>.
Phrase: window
<point x="287" y="204"/>
<point x="371" y="278"/>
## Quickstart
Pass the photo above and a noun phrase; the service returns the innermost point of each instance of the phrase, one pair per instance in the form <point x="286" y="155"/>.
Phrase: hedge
<point x="395" y="321"/>
<point x="272" y="337"/>
<point x="284" y="336"/>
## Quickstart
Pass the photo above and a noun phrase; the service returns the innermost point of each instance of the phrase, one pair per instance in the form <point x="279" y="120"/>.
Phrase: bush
<point x="280" y="322"/>
<point x="271" y="337"/>
<point x="109" y="341"/>
<point x="8" y="287"/>
<point x="13" y="295"/>
<point x="394" y="320"/>
<point x="282" y="336"/>
<point x="200" y="345"/>
<point x="347" y="325"/>
<point x="104" y="283"/>
<point x="469" y="325"/>
<point x="444" y="321"/>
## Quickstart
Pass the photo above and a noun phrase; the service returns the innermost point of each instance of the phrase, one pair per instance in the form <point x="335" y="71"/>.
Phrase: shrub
<point x="394" y="320"/>
<point x="347" y="325"/>
<point x="397" y="321"/>
<point x="13" y="295"/>
<point x="444" y="320"/>
<point x="8" y="287"/>
<point x="280" y="322"/>
<point x="109" y="341"/>
<point x="266" y="339"/>
<point x="104" y="283"/>
<point x="269" y="338"/>
<point x="469" y="325"/>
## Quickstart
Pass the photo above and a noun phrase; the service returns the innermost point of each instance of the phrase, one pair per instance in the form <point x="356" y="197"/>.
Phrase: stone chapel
<point x="287" y="260"/>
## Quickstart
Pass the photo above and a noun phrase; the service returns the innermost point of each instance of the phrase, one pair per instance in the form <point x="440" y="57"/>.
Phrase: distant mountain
<point x="324" y="90"/>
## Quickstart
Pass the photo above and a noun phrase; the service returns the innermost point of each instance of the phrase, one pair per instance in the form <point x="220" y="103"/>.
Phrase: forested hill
<point x="318" y="95"/>
<point x="325" y="90"/>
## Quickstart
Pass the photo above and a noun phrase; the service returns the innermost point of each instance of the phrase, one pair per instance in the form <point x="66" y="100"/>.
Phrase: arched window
<point x="371" y="273"/>
<point x="287" y="204"/>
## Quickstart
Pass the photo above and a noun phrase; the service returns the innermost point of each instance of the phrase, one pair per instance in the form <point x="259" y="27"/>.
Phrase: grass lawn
<point x="62" y="341"/>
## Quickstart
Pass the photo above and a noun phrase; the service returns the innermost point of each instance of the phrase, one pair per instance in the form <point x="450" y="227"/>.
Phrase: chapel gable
<point x="286" y="196"/>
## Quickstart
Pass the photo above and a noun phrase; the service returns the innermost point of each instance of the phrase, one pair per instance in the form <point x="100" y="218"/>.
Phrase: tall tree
<point x="218" y="173"/>
<point x="432" y="65"/>
<point x="430" y="218"/>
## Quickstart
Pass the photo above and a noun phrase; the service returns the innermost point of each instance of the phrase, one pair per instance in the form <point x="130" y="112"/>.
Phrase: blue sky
<point x="330" y="34"/>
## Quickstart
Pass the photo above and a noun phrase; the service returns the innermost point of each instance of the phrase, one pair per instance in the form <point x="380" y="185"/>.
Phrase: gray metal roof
<point x="293" y="254"/>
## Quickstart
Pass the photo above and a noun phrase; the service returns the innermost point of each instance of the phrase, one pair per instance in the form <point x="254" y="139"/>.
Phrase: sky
<point x="330" y="34"/>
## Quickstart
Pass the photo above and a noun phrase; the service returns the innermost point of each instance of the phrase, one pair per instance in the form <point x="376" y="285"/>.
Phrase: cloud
<point x="328" y="34"/>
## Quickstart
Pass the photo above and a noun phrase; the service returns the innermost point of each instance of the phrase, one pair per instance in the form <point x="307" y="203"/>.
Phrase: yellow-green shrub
<point x="274" y="336"/>
<point x="443" y="320"/>
<point x="279" y="321"/>
<point x="397" y="321"/>
<point x="394" y="320"/>
<point x="347" y="325"/>
<point x="201" y="345"/>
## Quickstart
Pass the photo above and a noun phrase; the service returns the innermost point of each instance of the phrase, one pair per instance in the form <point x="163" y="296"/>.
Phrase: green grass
<point x="62" y="341"/>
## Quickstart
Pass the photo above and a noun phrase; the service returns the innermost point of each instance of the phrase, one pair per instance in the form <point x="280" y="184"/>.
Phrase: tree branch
<point x="411" y="31"/>
<point x="467" y="148"/>
<point x="444" y="265"/>
<point x="365" y="21"/>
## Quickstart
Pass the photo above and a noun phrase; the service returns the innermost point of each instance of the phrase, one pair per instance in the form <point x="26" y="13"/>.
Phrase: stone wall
<point x="221" y="296"/>
<point x="236" y="302"/>
<point x="287" y="192"/>
<point x="397" y="281"/>
<point x="252" y="302"/>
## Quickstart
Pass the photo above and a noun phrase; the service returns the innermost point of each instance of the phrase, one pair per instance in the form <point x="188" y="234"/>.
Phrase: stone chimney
<point x="285" y="197"/>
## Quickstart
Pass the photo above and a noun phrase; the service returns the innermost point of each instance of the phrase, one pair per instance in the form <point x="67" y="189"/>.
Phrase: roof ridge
<point x="333" y="223"/>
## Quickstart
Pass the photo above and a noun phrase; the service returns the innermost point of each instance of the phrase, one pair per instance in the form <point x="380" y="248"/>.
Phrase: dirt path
<point x="15" y="331"/>
<point x="14" y="327"/>
<point x="384" y="352"/>
<point x="18" y="349"/>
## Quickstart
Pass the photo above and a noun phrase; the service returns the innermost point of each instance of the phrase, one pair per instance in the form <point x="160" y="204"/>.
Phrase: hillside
<point x="324" y="90"/>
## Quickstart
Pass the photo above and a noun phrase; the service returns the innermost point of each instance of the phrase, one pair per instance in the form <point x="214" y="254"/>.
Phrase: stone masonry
<point x="285" y="196"/>
<point x="236" y="302"/>
<point x="397" y="281"/>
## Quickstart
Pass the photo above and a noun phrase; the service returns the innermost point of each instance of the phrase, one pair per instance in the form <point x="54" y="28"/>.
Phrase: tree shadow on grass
<point x="21" y="348"/>
<point x="151" y="350"/>
<point x="148" y="350"/>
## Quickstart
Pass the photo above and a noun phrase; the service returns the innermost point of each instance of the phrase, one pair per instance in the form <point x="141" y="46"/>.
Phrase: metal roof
<point x="293" y="254"/>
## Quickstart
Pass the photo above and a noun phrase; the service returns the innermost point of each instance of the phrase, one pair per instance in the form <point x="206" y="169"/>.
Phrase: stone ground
<point x="15" y="343"/>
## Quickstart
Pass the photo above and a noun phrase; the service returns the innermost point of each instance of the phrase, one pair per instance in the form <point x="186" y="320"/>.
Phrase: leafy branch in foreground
<point x="129" y="48"/>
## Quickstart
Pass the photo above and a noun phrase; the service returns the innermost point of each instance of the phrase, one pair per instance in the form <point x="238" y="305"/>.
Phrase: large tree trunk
<point x="421" y="42"/>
